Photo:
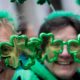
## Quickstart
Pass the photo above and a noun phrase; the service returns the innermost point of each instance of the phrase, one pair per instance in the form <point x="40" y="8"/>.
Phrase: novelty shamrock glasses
<point x="45" y="47"/>
<point x="55" y="47"/>
<point x="11" y="51"/>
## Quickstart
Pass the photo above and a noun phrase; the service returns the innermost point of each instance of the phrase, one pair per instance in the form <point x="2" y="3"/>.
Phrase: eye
<point x="74" y="46"/>
<point x="56" y="46"/>
<point x="6" y="49"/>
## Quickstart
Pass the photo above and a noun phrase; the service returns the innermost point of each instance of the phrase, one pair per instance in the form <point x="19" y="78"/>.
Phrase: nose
<point x="65" y="53"/>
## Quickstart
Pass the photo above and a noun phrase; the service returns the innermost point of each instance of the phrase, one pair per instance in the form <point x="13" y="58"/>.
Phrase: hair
<point x="22" y="28"/>
<point x="57" y="23"/>
<point x="6" y="15"/>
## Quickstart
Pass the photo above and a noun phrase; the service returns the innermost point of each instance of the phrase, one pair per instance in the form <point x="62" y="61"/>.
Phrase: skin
<point x="30" y="31"/>
<point x="5" y="33"/>
<point x="63" y="71"/>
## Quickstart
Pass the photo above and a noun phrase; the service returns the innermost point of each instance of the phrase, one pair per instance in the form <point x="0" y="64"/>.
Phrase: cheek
<point x="61" y="70"/>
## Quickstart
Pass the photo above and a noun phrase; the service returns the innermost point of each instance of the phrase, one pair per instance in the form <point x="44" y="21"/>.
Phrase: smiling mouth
<point x="64" y="62"/>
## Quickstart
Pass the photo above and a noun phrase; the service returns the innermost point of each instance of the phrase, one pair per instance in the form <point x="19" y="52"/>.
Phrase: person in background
<point x="26" y="29"/>
<point x="7" y="29"/>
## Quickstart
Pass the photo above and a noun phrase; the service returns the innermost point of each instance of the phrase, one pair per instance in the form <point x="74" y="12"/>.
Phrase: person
<point x="26" y="29"/>
<point x="64" y="26"/>
<point x="7" y="29"/>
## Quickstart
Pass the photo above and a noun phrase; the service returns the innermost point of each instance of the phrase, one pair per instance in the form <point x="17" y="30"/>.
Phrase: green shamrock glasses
<point x="11" y="51"/>
<point x="56" y="46"/>
<point x="31" y="49"/>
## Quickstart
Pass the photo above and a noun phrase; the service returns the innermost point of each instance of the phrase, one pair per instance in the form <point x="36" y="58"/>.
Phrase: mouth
<point x="64" y="62"/>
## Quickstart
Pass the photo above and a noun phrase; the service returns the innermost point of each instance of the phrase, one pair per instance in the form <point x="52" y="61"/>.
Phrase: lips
<point x="64" y="62"/>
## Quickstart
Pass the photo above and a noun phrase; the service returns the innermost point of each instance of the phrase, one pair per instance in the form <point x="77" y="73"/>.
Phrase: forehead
<point x="5" y="34"/>
<point x="66" y="33"/>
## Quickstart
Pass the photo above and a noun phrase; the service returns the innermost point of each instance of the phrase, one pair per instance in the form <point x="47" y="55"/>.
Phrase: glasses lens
<point x="78" y="54"/>
<point x="74" y="46"/>
<point x="56" y="46"/>
<point x="54" y="49"/>
<point x="6" y="49"/>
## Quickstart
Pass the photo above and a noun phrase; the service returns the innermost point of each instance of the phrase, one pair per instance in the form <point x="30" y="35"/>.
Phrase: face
<point x="5" y="33"/>
<point x="64" y="67"/>
<point x="30" y="31"/>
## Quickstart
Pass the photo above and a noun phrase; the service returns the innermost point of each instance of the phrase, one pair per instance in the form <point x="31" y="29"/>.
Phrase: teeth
<point x="64" y="63"/>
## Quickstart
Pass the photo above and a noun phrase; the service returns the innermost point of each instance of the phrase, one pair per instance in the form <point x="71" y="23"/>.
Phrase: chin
<point x="64" y="74"/>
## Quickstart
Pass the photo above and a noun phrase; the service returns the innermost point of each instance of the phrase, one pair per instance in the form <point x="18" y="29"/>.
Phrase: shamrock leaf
<point x="9" y="53"/>
<point x="13" y="0"/>
<point x="74" y="48"/>
<point x="12" y="50"/>
<point x="34" y="45"/>
<point x="78" y="2"/>
<point x="41" y="2"/>
<point x="18" y="1"/>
